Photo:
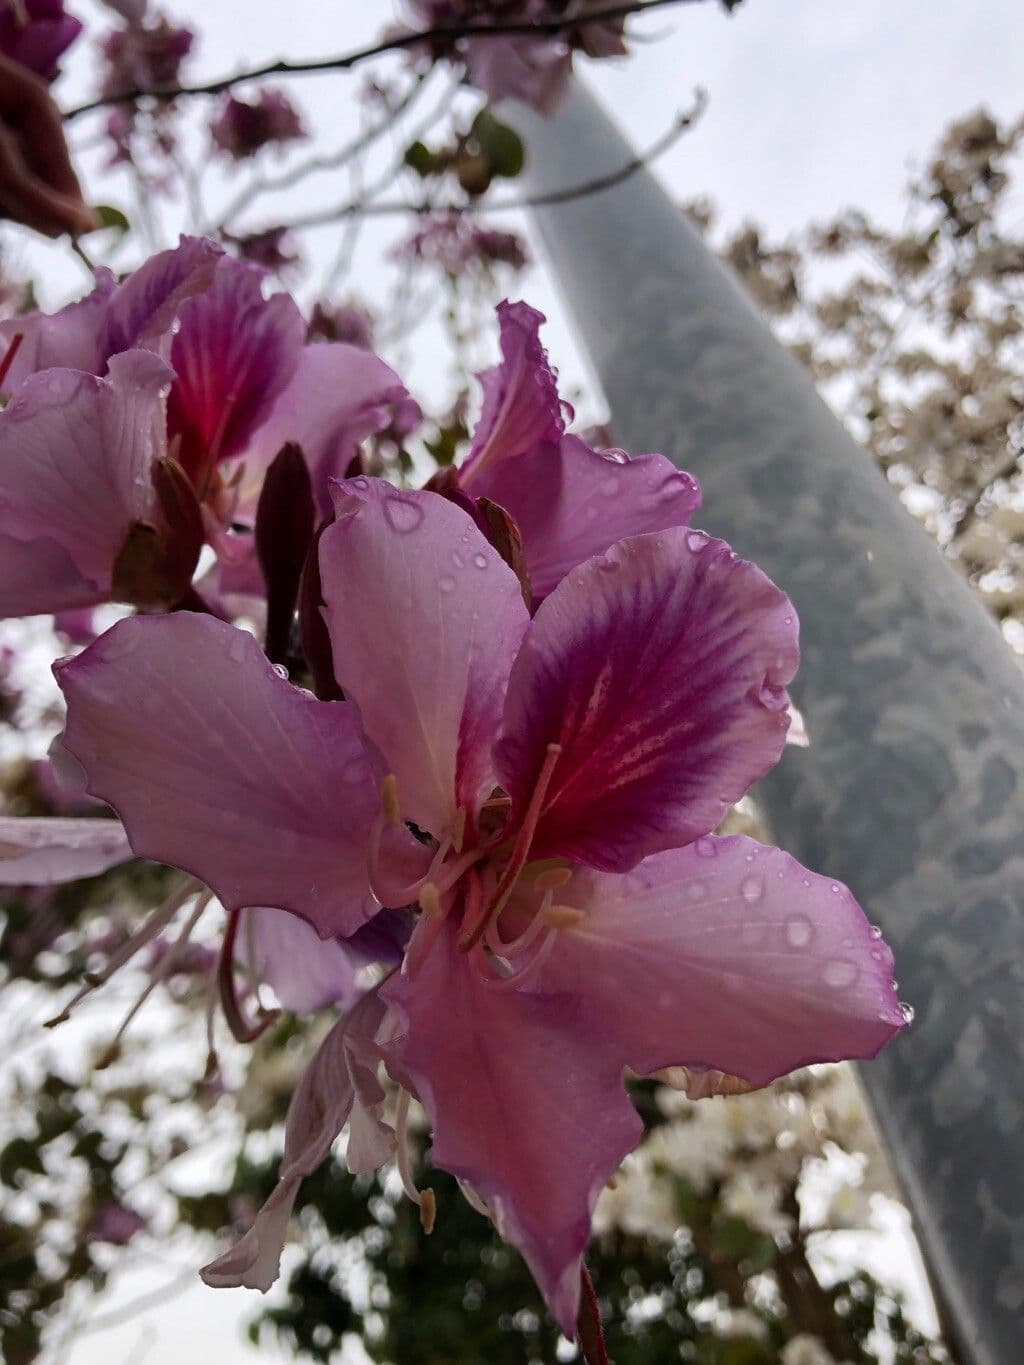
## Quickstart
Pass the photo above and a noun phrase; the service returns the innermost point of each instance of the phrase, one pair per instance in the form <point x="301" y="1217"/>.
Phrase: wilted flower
<point x="37" y="33"/>
<point x="240" y="128"/>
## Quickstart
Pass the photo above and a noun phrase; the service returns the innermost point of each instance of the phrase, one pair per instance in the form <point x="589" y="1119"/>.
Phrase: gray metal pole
<point x="913" y="788"/>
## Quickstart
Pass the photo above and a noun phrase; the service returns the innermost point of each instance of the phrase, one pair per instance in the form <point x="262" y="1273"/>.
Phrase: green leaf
<point x="500" y="144"/>
<point x="420" y="158"/>
<point x="111" y="217"/>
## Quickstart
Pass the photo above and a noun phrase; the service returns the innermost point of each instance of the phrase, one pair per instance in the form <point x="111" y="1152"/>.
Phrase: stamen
<point x="161" y="972"/>
<point x="11" y="352"/>
<point x="389" y="800"/>
<point x="552" y="878"/>
<point x="425" y="1199"/>
<point x="241" y="1029"/>
<point x="561" y="916"/>
<point x="514" y="979"/>
<point x="158" y="920"/>
<point x="430" y="901"/>
<point x="459" y="829"/>
<point x="473" y="1199"/>
<point x="520" y="849"/>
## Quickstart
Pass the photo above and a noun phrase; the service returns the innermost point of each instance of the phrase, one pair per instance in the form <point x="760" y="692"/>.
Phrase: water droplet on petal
<point x="281" y="671"/>
<point x="609" y="487"/>
<point x="799" y="932"/>
<point x="752" y="890"/>
<point x="835" y="888"/>
<point x="696" y="541"/>
<point x="360" y="482"/>
<point x="840" y="974"/>
<point x="705" y="847"/>
<point x="876" y="933"/>
<point x="446" y="583"/>
<point x="696" y="891"/>
<point x="237" y="648"/>
<point x="479" y="561"/>
<point x="907" y="1011"/>
<point x="458" y="560"/>
<point x="402" y="514"/>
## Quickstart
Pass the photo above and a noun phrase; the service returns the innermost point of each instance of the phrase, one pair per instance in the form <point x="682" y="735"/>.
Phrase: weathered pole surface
<point x="913" y="788"/>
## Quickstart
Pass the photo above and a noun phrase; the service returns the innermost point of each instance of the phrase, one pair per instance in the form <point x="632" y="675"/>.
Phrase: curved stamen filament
<point x="242" y="1030"/>
<point x="520" y="850"/>
<point x="519" y="974"/>
<point x="423" y="1198"/>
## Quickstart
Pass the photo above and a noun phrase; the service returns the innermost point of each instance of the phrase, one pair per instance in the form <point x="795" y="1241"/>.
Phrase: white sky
<point x="814" y="105"/>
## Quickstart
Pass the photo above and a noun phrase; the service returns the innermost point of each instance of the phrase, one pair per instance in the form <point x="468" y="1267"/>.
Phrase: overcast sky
<point x="814" y="105"/>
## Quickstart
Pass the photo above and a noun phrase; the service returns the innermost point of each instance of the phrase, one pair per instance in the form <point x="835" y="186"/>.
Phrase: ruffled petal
<point x="425" y="620"/>
<point x="660" y="669"/>
<point x="69" y="339"/>
<point x="526" y="1105"/>
<point x="726" y="956"/>
<point x="144" y="309"/>
<point x="233" y="354"/>
<point x="320" y="1108"/>
<point x="571" y="502"/>
<point x="76" y="459"/>
<point x="219" y="766"/>
<point x="303" y="971"/>
<point x="338" y="396"/>
<point x="45" y="850"/>
<point x="521" y="404"/>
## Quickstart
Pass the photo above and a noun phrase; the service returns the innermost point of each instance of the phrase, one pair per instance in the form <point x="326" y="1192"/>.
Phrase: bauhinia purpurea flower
<point x="537" y="796"/>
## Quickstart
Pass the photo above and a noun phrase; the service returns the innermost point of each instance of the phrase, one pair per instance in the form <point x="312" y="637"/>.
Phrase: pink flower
<point x="543" y="792"/>
<point x="241" y="129"/>
<point x="146" y="54"/>
<point x="455" y="244"/>
<point x="567" y="500"/>
<point x="537" y="69"/>
<point x="116" y="1224"/>
<point x="37" y="33"/>
<point x="97" y="416"/>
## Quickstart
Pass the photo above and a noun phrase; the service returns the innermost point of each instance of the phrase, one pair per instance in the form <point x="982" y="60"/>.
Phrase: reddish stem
<point x="12" y="351"/>
<point x="241" y="1028"/>
<point x="589" y="1332"/>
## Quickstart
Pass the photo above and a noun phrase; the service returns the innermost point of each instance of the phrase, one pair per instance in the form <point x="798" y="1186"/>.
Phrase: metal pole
<point x="913" y="788"/>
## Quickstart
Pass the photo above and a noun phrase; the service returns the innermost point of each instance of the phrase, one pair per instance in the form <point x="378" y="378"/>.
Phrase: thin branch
<point x="566" y="193"/>
<point x="441" y="36"/>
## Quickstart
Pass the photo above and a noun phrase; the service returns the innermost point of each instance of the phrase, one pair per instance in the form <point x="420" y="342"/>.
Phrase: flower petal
<point x="425" y="620"/>
<point x="660" y="669"/>
<point x="571" y="502"/>
<point x="45" y="850"/>
<point x="233" y="354"/>
<point x="40" y="576"/>
<point x="344" y="1062"/>
<point x="76" y="455"/>
<point x="70" y="338"/>
<point x="727" y="956"/>
<point x="304" y="972"/>
<point x="219" y="766"/>
<point x="144" y="308"/>
<point x="521" y="404"/>
<point x="526" y="1106"/>
<point x="338" y="396"/>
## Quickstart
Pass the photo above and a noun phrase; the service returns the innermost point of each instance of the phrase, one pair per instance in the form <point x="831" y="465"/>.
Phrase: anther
<point x="430" y="901"/>
<point x="561" y="916"/>
<point x="553" y="878"/>
<point x="389" y="800"/>
<point x="428" y="1211"/>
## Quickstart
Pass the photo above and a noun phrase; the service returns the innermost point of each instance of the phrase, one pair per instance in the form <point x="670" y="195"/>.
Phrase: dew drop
<point x="876" y="933"/>
<point x="705" y="847"/>
<point x="609" y="487"/>
<point x="907" y="1012"/>
<point x="877" y="955"/>
<point x="839" y="974"/>
<point x="458" y="560"/>
<point x="360" y="482"/>
<point x="402" y="514"/>
<point x="752" y="890"/>
<point x="835" y="888"/>
<point x="696" y="541"/>
<point x="479" y="561"/>
<point x="696" y="891"/>
<point x="446" y="583"/>
<point x="281" y="671"/>
<point x="237" y="648"/>
<point x="799" y="932"/>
